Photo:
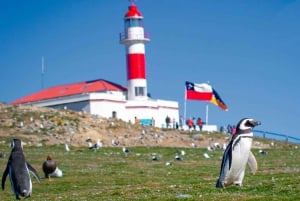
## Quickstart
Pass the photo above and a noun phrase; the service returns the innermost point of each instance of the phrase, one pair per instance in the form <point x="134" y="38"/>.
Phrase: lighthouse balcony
<point x="126" y="38"/>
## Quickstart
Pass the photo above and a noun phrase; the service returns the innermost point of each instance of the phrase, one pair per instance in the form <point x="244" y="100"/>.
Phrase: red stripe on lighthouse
<point x="136" y="66"/>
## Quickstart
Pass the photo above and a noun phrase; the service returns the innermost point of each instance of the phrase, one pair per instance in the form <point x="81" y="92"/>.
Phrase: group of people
<point x="231" y="129"/>
<point x="171" y="123"/>
<point x="192" y="123"/>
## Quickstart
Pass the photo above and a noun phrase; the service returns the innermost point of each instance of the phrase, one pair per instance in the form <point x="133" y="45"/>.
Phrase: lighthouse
<point x="109" y="99"/>
<point x="134" y="38"/>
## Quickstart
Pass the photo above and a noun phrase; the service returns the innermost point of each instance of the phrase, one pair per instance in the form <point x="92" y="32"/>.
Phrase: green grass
<point x="109" y="175"/>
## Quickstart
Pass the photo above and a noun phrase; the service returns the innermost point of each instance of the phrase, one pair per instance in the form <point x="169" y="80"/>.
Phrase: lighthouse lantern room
<point x="134" y="39"/>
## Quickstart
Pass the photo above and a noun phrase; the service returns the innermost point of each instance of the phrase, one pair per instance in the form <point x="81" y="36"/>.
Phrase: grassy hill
<point x="108" y="174"/>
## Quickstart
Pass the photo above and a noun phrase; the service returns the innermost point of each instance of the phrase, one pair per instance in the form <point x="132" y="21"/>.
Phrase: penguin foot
<point x="220" y="184"/>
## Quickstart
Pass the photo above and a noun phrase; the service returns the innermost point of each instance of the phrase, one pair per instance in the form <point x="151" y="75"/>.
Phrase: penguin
<point x="177" y="157"/>
<point x="50" y="168"/>
<point x="18" y="170"/>
<point x="154" y="158"/>
<point x="237" y="154"/>
<point x="125" y="150"/>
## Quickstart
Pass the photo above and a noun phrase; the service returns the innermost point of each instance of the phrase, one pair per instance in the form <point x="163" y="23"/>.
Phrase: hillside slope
<point x="46" y="126"/>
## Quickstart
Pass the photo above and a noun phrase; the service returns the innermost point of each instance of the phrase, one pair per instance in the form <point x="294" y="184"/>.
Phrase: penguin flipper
<point x="34" y="172"/>
<point x="5" y="173"/>
<point x="225" y="166"/>
<point x="252" y="163"/>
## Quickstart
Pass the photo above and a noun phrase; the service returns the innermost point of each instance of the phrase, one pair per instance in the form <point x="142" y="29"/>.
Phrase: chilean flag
<point x="204" y="92"/>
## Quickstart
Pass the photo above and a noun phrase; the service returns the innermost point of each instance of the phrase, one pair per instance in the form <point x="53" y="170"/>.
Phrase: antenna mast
<point x="42" y="73"/>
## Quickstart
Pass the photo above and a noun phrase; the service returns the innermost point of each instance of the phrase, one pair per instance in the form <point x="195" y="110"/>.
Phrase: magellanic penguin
<point x="237" y="154"/>
<point x="18" y="170"/>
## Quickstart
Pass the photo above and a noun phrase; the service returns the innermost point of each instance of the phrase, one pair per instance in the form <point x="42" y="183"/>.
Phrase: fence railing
<point x="275" y="136"/>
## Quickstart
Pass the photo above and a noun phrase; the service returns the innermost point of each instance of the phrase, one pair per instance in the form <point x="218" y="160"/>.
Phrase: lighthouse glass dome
<point x="133" y="22"/>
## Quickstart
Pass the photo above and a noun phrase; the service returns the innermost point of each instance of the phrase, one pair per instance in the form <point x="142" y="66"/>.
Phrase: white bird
<point x="98" y="144"/>
<point x="209" y="148"/>
<point x="114" y="143"/>
<point x="168" y="163"/>
<point x="217" y="145"/>
<point x="224" y="147"/>
<point x="206" y="155"/>
<point x="67" y="147"/>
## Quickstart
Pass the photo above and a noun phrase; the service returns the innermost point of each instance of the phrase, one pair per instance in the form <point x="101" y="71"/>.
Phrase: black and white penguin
<point x="237" y="154"/>
<point x="96" y="146"/>
<point x="18" y="170"/>
<point x="125" y="150"/>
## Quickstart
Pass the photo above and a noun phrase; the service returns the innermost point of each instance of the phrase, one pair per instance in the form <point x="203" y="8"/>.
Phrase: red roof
<point x="133" y="12"/>
<point x="71" y="89"/>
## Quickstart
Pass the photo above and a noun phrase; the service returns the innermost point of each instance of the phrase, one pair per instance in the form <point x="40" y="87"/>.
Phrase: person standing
<point x="168" y="120"/>
<point x="200" y="123"/>
<point x="190" y="123"/>
<point x="181" y="120"/>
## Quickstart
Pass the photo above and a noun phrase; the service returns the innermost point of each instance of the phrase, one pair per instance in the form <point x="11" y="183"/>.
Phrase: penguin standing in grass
<point x="237" y="154"/>
<point x="18" y="170"/>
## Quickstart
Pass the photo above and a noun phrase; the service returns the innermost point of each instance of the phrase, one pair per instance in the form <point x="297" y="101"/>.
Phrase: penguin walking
<point x="237" y="154"/>
<point x="18" y="170"/>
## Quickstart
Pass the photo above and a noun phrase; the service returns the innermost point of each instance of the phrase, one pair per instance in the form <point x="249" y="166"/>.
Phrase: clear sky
<point x="249" y="51"/>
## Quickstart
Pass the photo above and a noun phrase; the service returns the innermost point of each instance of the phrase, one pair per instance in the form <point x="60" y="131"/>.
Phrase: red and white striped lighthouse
<point x="134" y="39"/>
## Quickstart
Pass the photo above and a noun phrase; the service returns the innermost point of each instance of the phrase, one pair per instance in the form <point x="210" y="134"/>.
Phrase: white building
<point x="108" y="99"/>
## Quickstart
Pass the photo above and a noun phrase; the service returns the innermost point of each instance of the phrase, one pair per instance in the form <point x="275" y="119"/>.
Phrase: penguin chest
<point x="240" y="155"/>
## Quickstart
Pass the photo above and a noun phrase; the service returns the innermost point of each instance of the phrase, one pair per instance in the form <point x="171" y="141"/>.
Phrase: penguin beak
<point x="253" y="123"/>
<point x="256" y="123"/>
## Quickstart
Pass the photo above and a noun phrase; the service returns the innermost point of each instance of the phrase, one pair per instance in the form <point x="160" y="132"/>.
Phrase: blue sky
<point x="248" y="50"/>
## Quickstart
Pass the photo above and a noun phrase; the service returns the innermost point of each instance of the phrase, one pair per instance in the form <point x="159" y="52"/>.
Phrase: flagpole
<point x="184" y="112"/>
<point x="206" y="116"/>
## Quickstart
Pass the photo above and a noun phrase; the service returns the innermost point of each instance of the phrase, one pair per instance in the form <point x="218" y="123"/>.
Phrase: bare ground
<point x="39" y="125"/>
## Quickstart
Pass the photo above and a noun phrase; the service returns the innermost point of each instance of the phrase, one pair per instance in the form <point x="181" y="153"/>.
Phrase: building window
<point x="139" y="91"/>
